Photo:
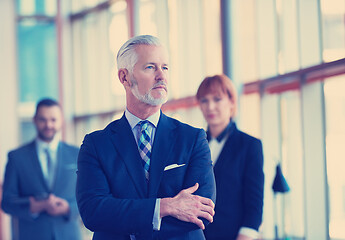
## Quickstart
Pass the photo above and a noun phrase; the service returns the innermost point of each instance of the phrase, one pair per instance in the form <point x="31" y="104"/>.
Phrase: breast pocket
<point x="172" y="181"/>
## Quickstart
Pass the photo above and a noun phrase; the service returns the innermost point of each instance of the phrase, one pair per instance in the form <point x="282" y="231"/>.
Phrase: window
<point x="333" y="30"/>
<point x="37" y="59"/>
<point x="97" y="36"/>
<point x="248" y="114"/>
<point x="292" y="164"/>
<point x="335" y="153"/>
<point x="194" y="44"/>
<point x="288" y="59"/>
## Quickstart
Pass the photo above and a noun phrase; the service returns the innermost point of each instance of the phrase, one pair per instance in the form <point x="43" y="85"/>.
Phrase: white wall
<point x="9" y="134"/>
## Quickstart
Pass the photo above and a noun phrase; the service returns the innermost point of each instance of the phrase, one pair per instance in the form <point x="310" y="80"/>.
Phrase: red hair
<point x="218" y="84"/>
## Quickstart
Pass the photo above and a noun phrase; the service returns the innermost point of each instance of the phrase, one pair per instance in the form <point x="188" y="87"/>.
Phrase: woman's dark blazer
<point x="239" y="185"/>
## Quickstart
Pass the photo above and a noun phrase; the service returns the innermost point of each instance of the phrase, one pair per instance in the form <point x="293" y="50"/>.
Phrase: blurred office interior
<point x="287" y="58"/>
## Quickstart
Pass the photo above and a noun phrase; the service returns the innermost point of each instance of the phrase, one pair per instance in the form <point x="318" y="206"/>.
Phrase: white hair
<point x="127" y="57"/>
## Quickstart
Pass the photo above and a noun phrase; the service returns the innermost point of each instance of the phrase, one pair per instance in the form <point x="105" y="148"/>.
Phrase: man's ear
<point x="124" y="76"/>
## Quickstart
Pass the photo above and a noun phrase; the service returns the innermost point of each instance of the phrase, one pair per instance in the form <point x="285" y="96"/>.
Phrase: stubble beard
<point x="46" y="137"/>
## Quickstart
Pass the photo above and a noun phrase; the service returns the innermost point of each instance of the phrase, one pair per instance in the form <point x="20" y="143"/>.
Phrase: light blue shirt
<point x="52" y="147"/>
<point x="133" y="122"/>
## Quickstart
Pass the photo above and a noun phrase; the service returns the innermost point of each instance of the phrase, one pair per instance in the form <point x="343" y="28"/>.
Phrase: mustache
<point x="48" y="129"/>
<point x="159" y="84"/>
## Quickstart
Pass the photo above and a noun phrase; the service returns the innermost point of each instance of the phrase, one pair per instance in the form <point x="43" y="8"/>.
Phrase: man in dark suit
<point x="146" y="175"/>
<point x="40" y="179"/>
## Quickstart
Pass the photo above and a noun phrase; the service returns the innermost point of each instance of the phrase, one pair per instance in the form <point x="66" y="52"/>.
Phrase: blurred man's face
<point x="48" y="122"/>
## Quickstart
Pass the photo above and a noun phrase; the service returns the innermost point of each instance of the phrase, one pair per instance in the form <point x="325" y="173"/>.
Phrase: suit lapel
<point x="36" y="166"/>
<point x="228" y="151"/>
<point x="125" y="144"/>
<point x="60" y="157"/>
<point x="162" y="146"/>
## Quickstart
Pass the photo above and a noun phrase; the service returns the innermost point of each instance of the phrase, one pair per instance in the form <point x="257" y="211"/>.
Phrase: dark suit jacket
<point x="240" y="182"/>
<point x="24" y="178"/>
<point x="113" y="196"/>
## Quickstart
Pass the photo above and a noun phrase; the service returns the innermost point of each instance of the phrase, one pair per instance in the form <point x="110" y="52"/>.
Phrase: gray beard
<point x="147" y="97"/>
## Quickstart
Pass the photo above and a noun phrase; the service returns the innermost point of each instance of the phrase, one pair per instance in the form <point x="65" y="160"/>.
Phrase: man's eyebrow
<point x="154" y="63"/>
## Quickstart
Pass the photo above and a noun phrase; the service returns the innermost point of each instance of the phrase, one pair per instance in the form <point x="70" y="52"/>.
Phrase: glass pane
<point x="36" y="7"/>
<point x="118" y="34"/>
<point x="292" y="164"/>
<point x="79" y="5"/>
<point x="309" y="33"/>
<point x="244" y="47"/>
<point x="249" y="114"/>
<point x="187" y="45"/>
<point x="37" y="60"/>
<point x="91" y="3"/>
<point x="147" y="19"/>
<point x="27" y="131"/>
<point x="212" y="37"/>
<point x="288" y="36"/>
<point x="335" y="154"/>
<point x="186" y="54"/>
<point x="267" y="38"/>
<point x="97" y="38"/>
<point x="333" y="13"/>
<point x="90" y="61"/>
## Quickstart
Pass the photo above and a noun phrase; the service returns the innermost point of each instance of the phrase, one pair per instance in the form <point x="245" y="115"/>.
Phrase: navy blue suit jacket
<point x="113" y="196"/>
<point x="24" y="178"/>
<point x="240" y="182"/>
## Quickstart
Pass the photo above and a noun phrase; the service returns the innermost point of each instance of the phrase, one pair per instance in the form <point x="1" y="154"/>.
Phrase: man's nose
<point x="160" y="74"/>
<point x="49" y="124"/>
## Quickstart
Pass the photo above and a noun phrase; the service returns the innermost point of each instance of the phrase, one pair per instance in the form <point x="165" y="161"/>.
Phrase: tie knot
<point x="47" y="150"/>
<point x="143" y="125"/>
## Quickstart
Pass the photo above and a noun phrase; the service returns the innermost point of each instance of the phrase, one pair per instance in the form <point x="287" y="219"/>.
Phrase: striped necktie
<point x="144" y="146"/>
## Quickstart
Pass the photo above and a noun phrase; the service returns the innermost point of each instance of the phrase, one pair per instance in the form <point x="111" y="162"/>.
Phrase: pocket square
<point x="172" y="166"/>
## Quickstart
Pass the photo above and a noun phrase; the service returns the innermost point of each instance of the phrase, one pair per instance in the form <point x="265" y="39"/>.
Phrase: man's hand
<point x="37" y="206"/>
<point x="188" y="207"/>
<point x="243" y="237"/>
<point x="53" y="205"/>
<point x="57" y="206"/>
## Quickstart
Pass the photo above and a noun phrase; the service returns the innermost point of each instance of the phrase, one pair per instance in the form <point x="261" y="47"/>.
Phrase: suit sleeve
<point x="99" y="209"/>
<point x="73" y="210"/>
<point x="71" y="199"/>
<point x="199" y="171"/>
<point x="12" y="203"/>
<point x="253" y="186"/>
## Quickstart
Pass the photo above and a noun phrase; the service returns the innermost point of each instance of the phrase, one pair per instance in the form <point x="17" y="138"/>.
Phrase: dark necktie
<point x="50" y="170"/>
<point x="144" y="146"/>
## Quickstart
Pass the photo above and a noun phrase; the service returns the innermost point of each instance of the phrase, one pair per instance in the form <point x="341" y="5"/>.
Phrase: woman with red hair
<point x="237" y="163"/>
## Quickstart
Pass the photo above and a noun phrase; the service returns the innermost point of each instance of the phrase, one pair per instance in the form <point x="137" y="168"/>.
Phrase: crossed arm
<point x="188" y="207"/>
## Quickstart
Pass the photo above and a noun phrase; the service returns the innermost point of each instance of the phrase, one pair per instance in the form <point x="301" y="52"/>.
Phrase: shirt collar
<point x="134" y="120"/>
<point x="53" y="145"/>
<point x="226" y="132"/>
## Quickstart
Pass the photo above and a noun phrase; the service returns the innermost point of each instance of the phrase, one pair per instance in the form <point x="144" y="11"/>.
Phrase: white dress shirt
<point x="133" y="122"/>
